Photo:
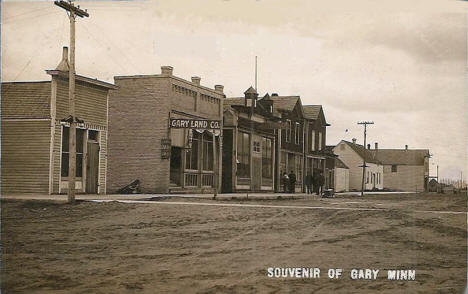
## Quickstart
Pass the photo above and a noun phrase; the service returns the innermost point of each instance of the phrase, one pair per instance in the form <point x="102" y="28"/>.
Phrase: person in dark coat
<point x="308" y="183"/>
<point x="315" y="181"/>
<point x="321" y="182"/>
<point x="285" y="180"/>
<point x="292" y="182"/>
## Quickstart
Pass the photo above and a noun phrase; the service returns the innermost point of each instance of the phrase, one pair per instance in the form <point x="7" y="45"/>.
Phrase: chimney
<point x="368" y="146"/>
<point x="274" y="94"/>
<point x="196" y="80"/>
<point x="354" y="140"/>
<point x="166" y="70"/>
<point x="219" y="88"/>
<point x="376" y="145"/>
<point x="63" y="65"/>
<point x="406" y="147"/>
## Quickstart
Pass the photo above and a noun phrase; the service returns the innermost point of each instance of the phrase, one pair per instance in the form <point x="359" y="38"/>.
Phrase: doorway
<point x="92" y="167"/>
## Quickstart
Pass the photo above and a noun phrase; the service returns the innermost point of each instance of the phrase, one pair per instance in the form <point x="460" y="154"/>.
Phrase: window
<point x="320" y="141"/>
<point x="79" y="152"/>
<point x="207" y="151"/>
<point x="93" y="135"/>
<point x="191" y="155"/>
<point x="288" y="131"/>
<point x="298" y="169"/>
<point x="394" y="168"/>
<point x="243" y="154"/>
<point x="367" y="178"/>
<point x="256" y="147"/>
<point x="312" y="141"/>
<point x="297" y="133"/>
<point x="267" y="169"/>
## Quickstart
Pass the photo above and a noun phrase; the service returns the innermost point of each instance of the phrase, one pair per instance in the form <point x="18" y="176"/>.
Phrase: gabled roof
<point x="285" y="102"/>
<point x="250" y="90"/>
<point x="401" y="156"/>
<point x="340" y="164"/>
<point x="363" y="152"/>
<point x="312" y="111"/>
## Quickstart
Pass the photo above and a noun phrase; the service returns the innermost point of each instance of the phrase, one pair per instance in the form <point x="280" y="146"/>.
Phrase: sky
<point x="400" y="64"/>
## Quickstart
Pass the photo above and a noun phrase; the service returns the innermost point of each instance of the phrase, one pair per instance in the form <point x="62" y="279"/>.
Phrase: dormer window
<point x="248" y="102"/>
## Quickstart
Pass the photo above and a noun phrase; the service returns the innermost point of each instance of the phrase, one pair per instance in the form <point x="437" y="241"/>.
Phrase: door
<point x="256" y="175"/>
<point x="92" y="167"/>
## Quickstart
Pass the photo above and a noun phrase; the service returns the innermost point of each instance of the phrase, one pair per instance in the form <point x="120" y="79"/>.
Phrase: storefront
<point x="249" y="144"/>
<point x="166" y="132"/>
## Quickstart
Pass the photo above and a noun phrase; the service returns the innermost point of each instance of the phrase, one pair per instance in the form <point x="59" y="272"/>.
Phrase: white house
<point x="352" y="155"/>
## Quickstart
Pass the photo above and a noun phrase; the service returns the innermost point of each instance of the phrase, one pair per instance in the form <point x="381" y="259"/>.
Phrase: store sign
<point x="165" y="148"/>
<point x="201" y="124"/>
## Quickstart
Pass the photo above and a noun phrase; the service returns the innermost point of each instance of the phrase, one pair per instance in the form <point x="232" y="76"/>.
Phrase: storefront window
<point x="266" y="158"/>
<point x="79" y="152"/>
<point x="207" y="151"/>
<point x="191" y="155"/>
<point x="243" y="155"/>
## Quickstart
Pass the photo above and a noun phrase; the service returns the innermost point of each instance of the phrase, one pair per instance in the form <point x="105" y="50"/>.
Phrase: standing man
<point x="292" y="182"/>
<point x="321" y="182"/>
<point x="308" y="182"/>
<point x="285" y="179"/>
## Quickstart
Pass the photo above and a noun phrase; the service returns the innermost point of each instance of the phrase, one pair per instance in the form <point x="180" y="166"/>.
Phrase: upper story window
<point x="288" y="131"/>
<point x="256" y="146"/>
<point x="297" y="133"/>
<point x="394" y="168"/>
<point x="320" y="141"/>
<point x="312" y="141"/>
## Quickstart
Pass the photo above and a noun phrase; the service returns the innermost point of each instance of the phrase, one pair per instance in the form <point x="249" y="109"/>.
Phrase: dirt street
<point x="170" y="247"/>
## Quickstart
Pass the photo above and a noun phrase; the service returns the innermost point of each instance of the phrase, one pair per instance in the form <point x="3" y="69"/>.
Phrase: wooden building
<point x="249" y="143"/>
<point x="404" y="169"/>
<point x="315" y="152"/>
<point x="352" y="155"/>
<point x="35" y="134"/>
<point x="144" y="145"/>
<point x="291" y="139"/>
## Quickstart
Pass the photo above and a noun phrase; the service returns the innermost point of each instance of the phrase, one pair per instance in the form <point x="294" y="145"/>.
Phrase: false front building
<point x="165" y="133"/>
<point x="249" y="130"/>
<point x="35" y="130"/>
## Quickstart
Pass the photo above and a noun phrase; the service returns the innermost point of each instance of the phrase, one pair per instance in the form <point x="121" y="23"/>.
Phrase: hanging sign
<point x="202" y="124"/>
<point x="165" y="148"/>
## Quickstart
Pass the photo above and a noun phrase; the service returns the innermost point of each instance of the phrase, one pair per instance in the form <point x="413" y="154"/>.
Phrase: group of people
<point x="314" y="182"/>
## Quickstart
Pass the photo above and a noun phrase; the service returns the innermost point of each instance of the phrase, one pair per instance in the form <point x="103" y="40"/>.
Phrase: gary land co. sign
<point x="181" y="123"/>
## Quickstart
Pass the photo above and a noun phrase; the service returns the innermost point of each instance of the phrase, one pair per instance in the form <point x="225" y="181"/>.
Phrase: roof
<point x="95" y="82"/>
<point x="340" y="164"/>
<point x="250" y="90"/>
<point x="367" y="154"/>
<point x="401" y="156"/>
<point x="312" y="111"/>
<point x="25" y="99"/>
<point x="234" y="101"/>
<point x="285" y="102"/>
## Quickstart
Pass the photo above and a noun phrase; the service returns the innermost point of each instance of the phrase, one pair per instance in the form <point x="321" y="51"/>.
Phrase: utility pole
<point x="72" y="12"/>
<point x="365" y="123"/>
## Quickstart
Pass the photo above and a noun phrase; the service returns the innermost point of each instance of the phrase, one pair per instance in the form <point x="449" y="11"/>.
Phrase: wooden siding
<point x="56" y="159"/>
<point x="25" y="156"/>
<point x="90" y="105"/>
<point x="409" y="178"/>
<point x="26" y="100"/>
<point x="102" y="161"/>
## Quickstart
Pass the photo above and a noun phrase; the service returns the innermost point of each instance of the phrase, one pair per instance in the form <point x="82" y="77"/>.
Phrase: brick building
<point x="144" y="147"/>
<point x="35" y="134"/>
<point x="249" y="143"/>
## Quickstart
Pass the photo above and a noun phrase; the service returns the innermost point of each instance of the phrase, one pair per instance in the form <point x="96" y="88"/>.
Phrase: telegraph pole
<point x="365" y="123"/>
<point x="72" y="12"/>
